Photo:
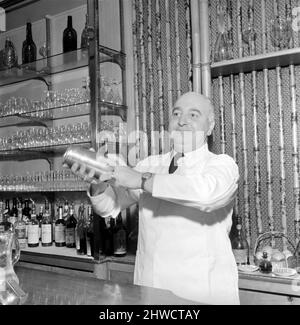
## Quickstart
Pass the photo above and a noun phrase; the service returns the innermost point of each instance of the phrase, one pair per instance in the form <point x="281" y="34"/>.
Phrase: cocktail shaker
<point x="83" y="156"/>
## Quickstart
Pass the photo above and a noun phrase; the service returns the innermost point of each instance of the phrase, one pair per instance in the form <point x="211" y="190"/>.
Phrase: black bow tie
<point x="174" y="162"/>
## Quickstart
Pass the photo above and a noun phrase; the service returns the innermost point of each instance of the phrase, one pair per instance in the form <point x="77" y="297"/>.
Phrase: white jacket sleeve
<point x="210" y="189"/>
<point x="113" y="201"/>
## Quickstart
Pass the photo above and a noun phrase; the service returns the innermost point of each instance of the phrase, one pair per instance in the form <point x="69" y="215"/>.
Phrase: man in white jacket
<point x="184" y="212"/>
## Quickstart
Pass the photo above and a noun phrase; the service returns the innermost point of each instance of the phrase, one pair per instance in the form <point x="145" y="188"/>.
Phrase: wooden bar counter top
<point x="50" y="288"/>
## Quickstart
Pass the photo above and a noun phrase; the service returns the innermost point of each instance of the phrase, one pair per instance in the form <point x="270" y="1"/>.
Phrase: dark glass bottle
<point x="66" y="210"/>
<point x="6" y="211"/>
<point x="69" y="37"/>
<point x="33" y="229"/>
<point x="27" y="210"/>
<point x="70" y="229"/>
<point x="90" y="233"/>
<point x="84" y="35"/>
<point x="120" y="237"/>
<point x="39" y="218"/>
<point x="5" y="225"/>
<point x="60" y="229"/>
<point x="13" y="216"/>
<point x="46" y="227"/>
<point x="265" y="265"/>
<point x="108" y="238"/>
<point x="240" y="247"/>
<point x="29" y="47"/>
<point x="81" y="231"/>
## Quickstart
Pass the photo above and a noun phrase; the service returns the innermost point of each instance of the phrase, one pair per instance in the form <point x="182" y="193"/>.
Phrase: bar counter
<point x="51" y="288"/>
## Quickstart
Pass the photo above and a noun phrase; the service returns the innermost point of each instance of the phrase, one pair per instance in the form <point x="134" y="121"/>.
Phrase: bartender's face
<point x="191" y="122"/>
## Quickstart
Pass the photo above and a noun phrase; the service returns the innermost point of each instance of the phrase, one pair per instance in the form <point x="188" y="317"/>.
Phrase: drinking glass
<point x="10" y="58"/>
<point x="280" y="32"/>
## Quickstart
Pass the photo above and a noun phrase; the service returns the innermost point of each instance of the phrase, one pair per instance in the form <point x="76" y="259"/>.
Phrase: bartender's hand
<point x="97" y="186"/>
<point x="127" y="177"/>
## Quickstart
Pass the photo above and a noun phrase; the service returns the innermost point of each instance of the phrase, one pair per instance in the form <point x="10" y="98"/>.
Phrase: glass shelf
<point x="62" y="62"/>
<point x="39" y="152"/>
<point x="35" y="118"/>
<point x="113" y="109"/>
<point x="61" y="112"/>
<point x="44" y="188"/>
<point x="259" y="62"/>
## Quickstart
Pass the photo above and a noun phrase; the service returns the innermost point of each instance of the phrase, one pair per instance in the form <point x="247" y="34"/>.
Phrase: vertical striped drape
<point x="162" y="54"/>
<point x="257" y="122"/>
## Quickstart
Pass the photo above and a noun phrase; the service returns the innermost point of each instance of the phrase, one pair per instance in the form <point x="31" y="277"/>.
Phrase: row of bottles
<point x="63" y="229"/>
<point x="113" y="236"/>
<point x="29" y="49"/>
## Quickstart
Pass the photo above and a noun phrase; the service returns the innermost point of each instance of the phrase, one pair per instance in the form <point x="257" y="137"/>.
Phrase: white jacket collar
<point x="190" y="158"/>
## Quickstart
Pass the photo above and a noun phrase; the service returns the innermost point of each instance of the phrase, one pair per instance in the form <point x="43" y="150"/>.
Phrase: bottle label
<point x="70" y="236"/>
<point x="33" y="234"/>
<point x="60" y="233"/>
<point x="46" y="233"/>
<point x="20" y="232"/>
<point x="22" y="243"/>
<point x="240" y="256"/>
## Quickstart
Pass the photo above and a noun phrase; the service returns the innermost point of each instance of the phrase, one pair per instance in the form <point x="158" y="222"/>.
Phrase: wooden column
<point x="204" y="47"/>
<point x="196" y="66"/>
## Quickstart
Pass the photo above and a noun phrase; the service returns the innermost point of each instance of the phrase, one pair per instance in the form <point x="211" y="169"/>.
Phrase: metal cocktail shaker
<point x="83" y="156"/>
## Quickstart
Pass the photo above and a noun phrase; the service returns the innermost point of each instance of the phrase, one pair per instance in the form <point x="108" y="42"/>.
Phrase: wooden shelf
<point x="259" y="62"/>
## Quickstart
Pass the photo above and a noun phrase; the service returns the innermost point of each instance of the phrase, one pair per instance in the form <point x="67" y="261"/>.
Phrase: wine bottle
<point x="108" y="239"/>
<point x="39" y="218"/>
<point x="239" y="244"/>
<point x="69" y="37"/>
<point x="84" y="35"/>
<point x="13" y="216"/>
<point x="6" y="212"/>
<point x="120" y="237"/>
<point x="60" y="229"/>
<point x="5" y="225"/>
<point x="90" y="233"/>
<point x="33" y="229"/>
<point x="20" y="228"/>
<point x="66" y="210"/>
<point x="81" y="231"/>
<point x="29" y="47"/>
<point x="27" y="210"/>
<point x="46" y="227"/>
<point x="70" y="229"/>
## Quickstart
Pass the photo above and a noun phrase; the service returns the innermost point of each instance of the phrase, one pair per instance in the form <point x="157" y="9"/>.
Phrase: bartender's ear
<point x="211" y="126"/>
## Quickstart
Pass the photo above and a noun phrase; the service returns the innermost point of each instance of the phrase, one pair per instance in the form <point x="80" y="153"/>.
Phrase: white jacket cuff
<point x="105" y="204"/>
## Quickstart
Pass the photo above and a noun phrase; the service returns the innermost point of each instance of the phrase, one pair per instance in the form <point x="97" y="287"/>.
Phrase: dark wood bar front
<point x="51" y="288"/>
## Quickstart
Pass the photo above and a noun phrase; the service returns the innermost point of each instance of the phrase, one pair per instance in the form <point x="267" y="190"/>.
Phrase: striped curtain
<point x="162" y="55"/>
<point x="257" y="124"/>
